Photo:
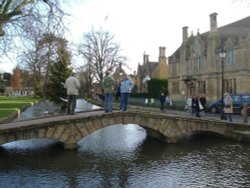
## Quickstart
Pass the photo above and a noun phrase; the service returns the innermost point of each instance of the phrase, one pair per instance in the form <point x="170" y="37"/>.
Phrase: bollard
<point x="245" y="113"/>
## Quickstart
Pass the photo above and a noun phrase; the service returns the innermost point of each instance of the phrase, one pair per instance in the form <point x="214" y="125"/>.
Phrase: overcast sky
<point x="142" y="26"/>
<point x="145" y="25"/>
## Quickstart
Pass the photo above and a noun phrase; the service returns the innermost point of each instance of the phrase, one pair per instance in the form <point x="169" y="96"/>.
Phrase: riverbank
<point x="12" y="106"/>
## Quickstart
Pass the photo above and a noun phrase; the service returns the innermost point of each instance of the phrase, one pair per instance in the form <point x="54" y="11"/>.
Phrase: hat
<point x="226" y="94"/>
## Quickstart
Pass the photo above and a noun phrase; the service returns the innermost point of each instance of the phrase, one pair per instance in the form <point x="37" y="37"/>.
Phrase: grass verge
<point x="9" y="105"/>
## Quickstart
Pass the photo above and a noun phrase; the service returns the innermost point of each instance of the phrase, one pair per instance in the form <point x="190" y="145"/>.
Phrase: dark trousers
<point x="71" y="104"/>
<point x="162" y="104"/>
<point x="229" y="116"/>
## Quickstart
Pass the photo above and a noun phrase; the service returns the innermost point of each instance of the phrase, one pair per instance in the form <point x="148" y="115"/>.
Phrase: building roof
<point x="146" y="68"/>
<point x="236" y="31"/>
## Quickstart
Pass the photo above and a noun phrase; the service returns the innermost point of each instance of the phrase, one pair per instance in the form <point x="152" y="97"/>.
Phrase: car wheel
<point x="214" y="110"/>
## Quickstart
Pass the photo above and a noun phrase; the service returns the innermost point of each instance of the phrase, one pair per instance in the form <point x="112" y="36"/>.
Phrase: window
<point x="236" y="99"/>
<point x="245" y="99"/>
<point x="229" y="60"/>
<point x="202" y="87"/>
<point x="175" y="88"/>
<point x="230" y="85"/>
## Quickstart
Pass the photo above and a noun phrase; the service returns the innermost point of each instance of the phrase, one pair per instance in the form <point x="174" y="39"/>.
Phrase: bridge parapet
<point x="69" y="130"/>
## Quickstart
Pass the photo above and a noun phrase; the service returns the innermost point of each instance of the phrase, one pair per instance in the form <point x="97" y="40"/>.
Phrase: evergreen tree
<point x="59" y="72"/>
<point x="155" y="85"/>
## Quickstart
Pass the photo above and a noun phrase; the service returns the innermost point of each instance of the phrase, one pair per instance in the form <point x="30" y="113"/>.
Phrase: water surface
<point x="122" y="156"/>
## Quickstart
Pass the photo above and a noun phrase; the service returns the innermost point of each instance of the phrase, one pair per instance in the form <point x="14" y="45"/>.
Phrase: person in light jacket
<point x="72" y="85"/>
<point x="228" y="106"/>
<point x="126" y="86"/>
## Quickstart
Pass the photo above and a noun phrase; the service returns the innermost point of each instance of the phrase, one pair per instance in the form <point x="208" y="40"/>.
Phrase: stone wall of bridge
<point x="69" y="130"/>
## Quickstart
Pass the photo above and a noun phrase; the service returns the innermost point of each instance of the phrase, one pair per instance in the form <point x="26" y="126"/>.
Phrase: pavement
<point x="235" y="117"/>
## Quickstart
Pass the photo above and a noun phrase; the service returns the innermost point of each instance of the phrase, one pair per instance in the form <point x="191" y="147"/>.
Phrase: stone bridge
<point x="70" y="129"/>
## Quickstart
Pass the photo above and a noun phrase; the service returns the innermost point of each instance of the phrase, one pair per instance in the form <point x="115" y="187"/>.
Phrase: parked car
<point x="238" y="103"/>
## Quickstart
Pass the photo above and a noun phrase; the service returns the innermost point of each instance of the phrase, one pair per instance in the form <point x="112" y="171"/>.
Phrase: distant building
<point x="150" y="69"/>
<point x="195" y="67"/>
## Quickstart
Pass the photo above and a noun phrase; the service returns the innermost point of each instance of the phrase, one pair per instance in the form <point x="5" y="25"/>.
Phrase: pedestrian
<point x="72" y="85"/>
<point x="170" y="103"/>
<point x="108" y="86"/>
<point x="197" y="106"/>
<point x="228" y="106"/>
<point x="162" y="98"/>
<point x="203" y="102"/>
<point x="146" y="101"/>
<point x="188" y="105"/>
<point x="193" y="105"/>
<point x="126" y="86"/>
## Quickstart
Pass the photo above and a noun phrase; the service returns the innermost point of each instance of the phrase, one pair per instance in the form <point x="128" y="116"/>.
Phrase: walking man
<point x="72" y="85"/>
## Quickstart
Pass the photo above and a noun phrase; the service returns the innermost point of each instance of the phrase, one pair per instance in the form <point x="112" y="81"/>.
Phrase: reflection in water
<point x="122" y="156"/>
<point x="46" y="107"/>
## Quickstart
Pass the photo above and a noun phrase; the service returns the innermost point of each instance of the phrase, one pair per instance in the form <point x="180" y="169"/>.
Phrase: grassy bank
<point x="9" y="105"/>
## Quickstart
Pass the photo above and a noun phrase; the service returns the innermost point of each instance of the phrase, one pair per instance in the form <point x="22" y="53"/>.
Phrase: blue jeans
<point x="124" y="101"/>
<point x="108" y="102"/>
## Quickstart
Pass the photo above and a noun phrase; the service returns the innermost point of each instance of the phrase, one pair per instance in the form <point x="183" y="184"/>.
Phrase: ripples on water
<point x="122" y="156"/>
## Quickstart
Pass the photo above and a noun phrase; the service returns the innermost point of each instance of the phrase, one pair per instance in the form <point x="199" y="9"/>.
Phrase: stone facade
<point x="196" y="67"/>
<point x="150" y="69"/>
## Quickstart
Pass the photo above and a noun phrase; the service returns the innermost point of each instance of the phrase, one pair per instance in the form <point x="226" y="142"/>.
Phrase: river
<point x="122" y="156"/>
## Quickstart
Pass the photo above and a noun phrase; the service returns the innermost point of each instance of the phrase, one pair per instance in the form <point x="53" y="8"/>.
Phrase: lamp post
<point x="222" y="54"/>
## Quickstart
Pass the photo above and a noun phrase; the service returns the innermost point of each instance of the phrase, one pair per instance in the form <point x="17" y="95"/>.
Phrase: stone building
<point x="149" y="69"/>
<point x="195" y="67"/>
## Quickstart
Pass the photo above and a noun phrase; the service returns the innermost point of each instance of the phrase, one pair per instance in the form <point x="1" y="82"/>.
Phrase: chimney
<point x="184" y="34"/>
<point x="213" y="22"/>
<point x="162" y="52"/>
<point x="162" y="55"/>
<point x="145" y="58"/>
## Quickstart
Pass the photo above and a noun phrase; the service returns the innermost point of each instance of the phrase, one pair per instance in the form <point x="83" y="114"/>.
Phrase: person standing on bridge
<point x="108" y="86"/>
<point x="72" y="85"/>
<point x="162" y="98"/>
<point x="126" y="86"/>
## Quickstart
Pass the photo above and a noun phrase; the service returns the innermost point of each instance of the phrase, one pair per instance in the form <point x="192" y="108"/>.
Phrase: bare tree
<point x="101" y="53"/>
<point x="19" y="17"/>
<point x="86" y="79"/>
<point x="38" y="60"/>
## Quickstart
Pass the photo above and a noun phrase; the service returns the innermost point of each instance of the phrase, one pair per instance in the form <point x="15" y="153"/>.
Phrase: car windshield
<point x="236" y="99"/>
<point x="246" y="99"/>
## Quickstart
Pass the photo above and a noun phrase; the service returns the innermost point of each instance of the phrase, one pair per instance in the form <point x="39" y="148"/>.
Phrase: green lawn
<point x="8" y="105"/>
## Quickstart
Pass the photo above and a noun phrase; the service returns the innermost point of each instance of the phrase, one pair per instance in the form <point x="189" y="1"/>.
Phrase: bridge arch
<point x="69" y="130"/>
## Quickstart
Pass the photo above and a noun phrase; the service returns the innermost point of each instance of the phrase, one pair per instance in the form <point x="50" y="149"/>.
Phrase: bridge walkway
<point x="69" y="129"/>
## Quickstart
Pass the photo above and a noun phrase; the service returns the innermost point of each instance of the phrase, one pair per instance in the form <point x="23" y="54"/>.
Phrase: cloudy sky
<point x="142" y="26"/>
